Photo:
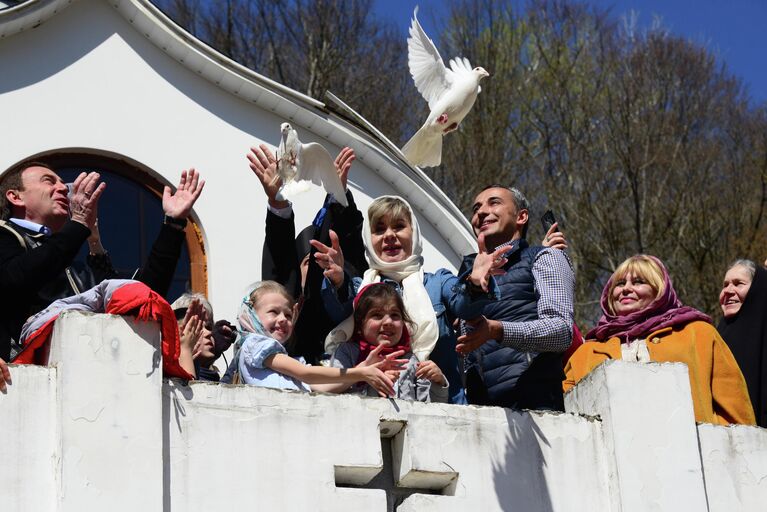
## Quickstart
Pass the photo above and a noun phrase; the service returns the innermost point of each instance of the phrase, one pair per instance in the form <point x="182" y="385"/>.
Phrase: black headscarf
<point x="746" y="335"/>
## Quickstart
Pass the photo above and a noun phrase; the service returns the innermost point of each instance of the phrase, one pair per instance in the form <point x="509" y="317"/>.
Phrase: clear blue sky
<point x="735" y="30"/>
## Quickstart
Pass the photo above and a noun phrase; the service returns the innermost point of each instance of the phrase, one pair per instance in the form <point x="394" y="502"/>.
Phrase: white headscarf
<point x="409" y="274"/>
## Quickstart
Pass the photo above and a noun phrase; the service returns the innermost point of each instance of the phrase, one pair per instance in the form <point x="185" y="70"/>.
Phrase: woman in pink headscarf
<point x="644" y="321"/>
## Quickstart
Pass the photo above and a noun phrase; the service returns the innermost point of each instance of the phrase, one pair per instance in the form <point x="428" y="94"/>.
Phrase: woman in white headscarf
<point x="433" y="301"/>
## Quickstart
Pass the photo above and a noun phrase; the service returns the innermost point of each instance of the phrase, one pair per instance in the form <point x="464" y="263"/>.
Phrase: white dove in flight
<point x="450" y="93"/>
<point x="299" y="163"/>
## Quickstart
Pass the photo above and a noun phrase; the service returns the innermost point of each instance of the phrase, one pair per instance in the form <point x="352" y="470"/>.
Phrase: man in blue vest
<point x="514" y="352"/>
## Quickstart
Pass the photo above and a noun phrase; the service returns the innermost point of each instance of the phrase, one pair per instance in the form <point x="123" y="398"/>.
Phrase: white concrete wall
<point x="287" y="447"/>
<point x="109" y="404"/>
<point x="85" y="433"/>
<point x="735" y="467"/>
<point x="649" y="430"/>
<point x="30" y="450"/>
<point x="99" y="429"/>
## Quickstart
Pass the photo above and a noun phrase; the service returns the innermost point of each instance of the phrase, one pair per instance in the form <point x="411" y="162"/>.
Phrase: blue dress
<point x="255" y="350"/>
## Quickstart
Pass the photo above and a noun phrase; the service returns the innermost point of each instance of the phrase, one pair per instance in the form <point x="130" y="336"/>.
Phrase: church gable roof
<point x="333" y="121"/>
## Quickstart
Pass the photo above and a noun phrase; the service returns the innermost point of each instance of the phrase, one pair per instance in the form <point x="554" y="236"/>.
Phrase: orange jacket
<point x="719" y="393"/>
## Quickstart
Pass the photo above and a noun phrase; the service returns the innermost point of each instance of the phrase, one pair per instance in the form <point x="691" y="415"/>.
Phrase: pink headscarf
<point x="665" y="311"/>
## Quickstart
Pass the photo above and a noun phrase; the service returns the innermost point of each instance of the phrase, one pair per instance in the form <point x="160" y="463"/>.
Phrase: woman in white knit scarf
<point x="393" y="247"/>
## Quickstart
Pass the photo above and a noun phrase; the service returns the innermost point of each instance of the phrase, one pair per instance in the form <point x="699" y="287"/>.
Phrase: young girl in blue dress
<point x="266" y="321"/>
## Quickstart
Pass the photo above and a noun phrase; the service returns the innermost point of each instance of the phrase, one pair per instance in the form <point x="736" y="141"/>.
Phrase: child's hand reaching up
<point x="430" y="371"/>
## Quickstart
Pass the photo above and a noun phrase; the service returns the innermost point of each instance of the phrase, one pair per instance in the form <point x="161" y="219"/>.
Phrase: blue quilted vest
<point x="503" y="376"/>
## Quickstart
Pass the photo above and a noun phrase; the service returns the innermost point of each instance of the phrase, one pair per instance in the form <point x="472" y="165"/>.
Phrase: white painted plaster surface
<point x="110" y="89"/>
<point x="110" y="407"/>
<point x="735" y="466"/>
<point x="29" y="450"/>
<point x="101" y="431"/>
<point x="277" y="440"/>
<point x="649" y="431"/>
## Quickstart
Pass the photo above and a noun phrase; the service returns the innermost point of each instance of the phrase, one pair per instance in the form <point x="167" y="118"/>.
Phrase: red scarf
<point x="135" y="299"/>
<point x="366" y="348"/>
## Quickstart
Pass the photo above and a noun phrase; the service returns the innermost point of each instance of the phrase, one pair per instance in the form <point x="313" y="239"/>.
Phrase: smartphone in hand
<point x="548" y="220"/>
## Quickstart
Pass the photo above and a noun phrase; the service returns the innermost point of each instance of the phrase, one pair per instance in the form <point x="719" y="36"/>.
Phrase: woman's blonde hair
<point x="394" y="207"/>
<point x="265" y="287"/>
<point x="642" y="266"/>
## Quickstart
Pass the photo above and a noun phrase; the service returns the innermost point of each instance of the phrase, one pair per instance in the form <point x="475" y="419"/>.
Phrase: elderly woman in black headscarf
<point x="743" y="300"/>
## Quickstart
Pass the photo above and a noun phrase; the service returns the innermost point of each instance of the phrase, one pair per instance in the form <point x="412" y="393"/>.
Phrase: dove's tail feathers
<point x="341" y="200"/>
<point x="294" y="188"/>
<point x="317" y="165"/>
<point x="424" y="149"/>
<point x="332" y="185"/>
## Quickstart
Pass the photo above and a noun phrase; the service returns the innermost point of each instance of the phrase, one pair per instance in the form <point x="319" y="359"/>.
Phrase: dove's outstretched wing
<point x="429" y="73"/>
<point x="316" y="164"/>
<point x="460" y="65"/>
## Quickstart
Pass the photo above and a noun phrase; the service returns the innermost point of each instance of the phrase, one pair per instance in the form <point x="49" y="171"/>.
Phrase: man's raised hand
<point x="343" y="164"/>
<point x="264" y="165"/>
<point x="487" y="264"/>
<point x="483" y="330"/>
<point x="84" y="200"/>
<point x="554" y="238"/>
<point x="178" y="205"/>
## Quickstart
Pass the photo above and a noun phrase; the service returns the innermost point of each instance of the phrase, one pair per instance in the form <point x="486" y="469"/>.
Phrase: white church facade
<point x="116" y="85"/>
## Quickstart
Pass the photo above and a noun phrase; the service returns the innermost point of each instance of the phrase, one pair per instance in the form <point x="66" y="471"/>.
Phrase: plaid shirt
<point x="552" y="331"/>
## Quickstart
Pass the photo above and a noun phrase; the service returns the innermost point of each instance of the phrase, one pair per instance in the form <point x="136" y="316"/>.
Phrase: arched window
<point x="130" y="215"/>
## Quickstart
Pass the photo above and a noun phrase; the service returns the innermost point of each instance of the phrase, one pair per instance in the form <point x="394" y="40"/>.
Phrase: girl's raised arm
<point x="340" y="379"/>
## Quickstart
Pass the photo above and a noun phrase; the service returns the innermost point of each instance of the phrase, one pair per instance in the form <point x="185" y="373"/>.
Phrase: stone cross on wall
<point x="400" y="475"/>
